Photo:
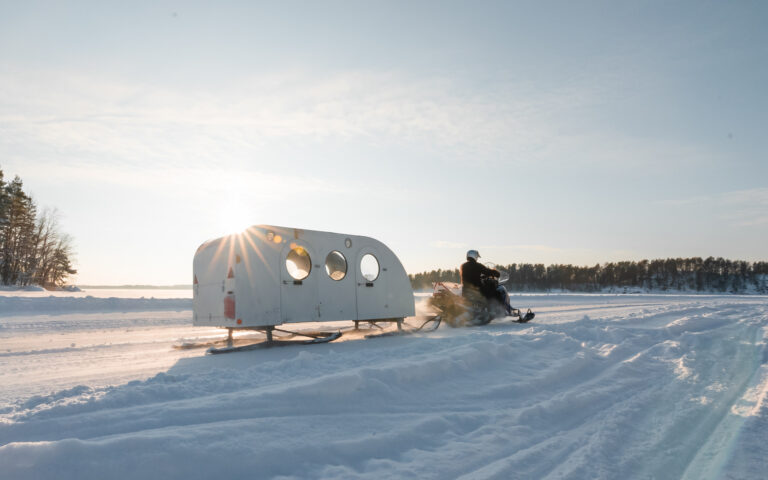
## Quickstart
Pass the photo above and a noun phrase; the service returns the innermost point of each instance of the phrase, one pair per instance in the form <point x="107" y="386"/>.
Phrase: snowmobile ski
<point x="523" y="318"/>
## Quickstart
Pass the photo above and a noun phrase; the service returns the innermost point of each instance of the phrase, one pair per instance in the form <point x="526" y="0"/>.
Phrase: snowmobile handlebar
<point x="501" y="277"/>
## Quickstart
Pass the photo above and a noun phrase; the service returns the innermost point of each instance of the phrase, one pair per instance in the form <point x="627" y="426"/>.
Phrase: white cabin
<point x="267" y="276"/>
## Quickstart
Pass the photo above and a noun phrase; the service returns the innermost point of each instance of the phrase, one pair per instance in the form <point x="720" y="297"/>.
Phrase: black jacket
<point x="471" y="271"/>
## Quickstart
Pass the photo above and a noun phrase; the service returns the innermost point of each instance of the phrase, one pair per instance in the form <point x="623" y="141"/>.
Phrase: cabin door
<point x="336" y="283"/>
<point x="300" y="269"/>
<point x="371" y="285"/>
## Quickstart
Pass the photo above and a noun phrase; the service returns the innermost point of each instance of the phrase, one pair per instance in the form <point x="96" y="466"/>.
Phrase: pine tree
<point x="32" y="251"/>
<point x="3" y="224"/>
<point x="17" y="234"/>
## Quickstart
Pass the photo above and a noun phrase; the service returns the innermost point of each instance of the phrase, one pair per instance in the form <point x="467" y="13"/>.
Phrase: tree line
<point x="33" y="251"/>
<point x="683" y="274"/>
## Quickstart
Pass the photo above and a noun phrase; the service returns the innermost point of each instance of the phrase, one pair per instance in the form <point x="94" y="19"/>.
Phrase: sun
<point x="234" y="218"/>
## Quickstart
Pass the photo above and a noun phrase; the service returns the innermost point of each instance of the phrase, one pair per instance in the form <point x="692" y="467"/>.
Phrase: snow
<point x="37" y="301"/>
<point x="39" y="292"/>
<point x="598" y="386"/>
<point x="29" y="288"/>
<point x="57" y="305"/>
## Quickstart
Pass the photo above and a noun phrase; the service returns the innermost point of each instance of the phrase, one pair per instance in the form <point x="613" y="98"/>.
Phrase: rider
<point x="471" y="271"/>
<point x="472" y="290"/>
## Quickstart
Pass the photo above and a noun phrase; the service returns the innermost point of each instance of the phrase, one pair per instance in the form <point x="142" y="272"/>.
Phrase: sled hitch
<point x="433" y="319"/>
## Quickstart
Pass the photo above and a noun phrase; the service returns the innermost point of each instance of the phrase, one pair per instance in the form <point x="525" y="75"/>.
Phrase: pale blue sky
<point x="554" y="132"/>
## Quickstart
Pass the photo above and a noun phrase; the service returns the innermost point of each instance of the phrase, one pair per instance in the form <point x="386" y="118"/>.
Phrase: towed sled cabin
<point x="267" y="276"/>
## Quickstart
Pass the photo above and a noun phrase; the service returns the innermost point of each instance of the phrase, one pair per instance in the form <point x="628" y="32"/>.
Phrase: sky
<point x="542" y="131"/>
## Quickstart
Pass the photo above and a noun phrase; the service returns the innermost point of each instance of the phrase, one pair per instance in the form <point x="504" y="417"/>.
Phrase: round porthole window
<point x="298" y="263"/>
<point x="369" y="267"/>
<point x="336" y="265"/>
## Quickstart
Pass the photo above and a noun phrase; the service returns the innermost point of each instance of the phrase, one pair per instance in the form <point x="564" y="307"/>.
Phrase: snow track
<point x="597" y="387"/>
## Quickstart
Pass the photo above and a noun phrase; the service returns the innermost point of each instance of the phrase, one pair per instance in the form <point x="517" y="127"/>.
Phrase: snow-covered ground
<point x="38" y="292"/>
<point x="37" y="301"/>
<point x="598" y="386"/>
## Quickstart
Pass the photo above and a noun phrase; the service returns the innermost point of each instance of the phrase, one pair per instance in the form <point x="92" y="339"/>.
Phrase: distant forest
<point x="32" y="249"/>
<point x="681" y="274"/>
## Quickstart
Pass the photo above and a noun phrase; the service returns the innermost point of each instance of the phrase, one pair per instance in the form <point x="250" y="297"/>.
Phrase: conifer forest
<point x="671" y="274"/>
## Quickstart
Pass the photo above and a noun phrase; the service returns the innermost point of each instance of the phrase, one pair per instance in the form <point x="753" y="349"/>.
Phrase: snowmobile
<point x="478" y="308"/>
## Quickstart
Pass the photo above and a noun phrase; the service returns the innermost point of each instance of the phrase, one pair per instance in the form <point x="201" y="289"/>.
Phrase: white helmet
<point x="473" y="254"/>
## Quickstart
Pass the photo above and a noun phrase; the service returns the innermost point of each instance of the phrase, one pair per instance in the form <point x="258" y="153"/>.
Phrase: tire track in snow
<point x="714" y="455"/>
<point x="636" y="401"/>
